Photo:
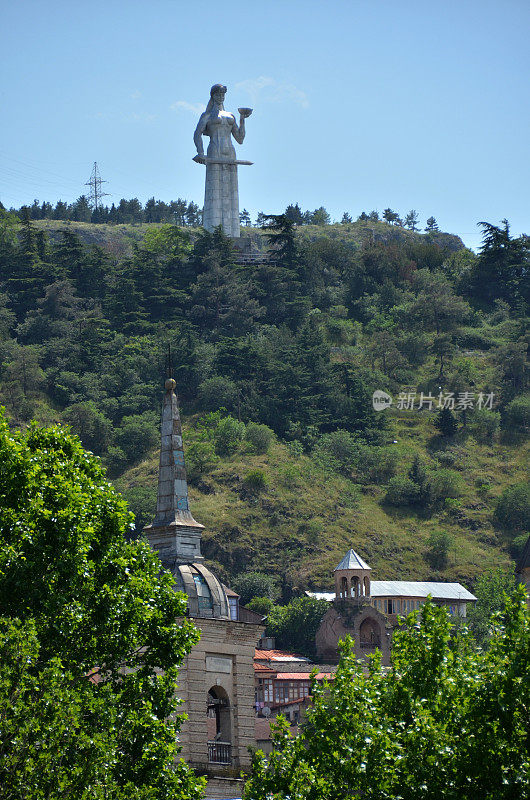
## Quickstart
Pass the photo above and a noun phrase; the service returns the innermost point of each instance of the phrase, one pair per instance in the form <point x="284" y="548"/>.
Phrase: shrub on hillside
<point x="402" y="492"/>
<point x="227" y="435"/>
<point x="338" y="451"/>
<point x="516" y="417"/>
<point x="255" y="481"/>
<point x="513" y="507"/>
<point x="115" y="460"/>
<point x="484" y="424"/>
<point x="200" y="458"/>
<point x="445" y="483"/>
<point x="439" y="544"/>
<point x="446" y="422"/>
<point x="259" y="437"/>
<point x="377" y="464"/>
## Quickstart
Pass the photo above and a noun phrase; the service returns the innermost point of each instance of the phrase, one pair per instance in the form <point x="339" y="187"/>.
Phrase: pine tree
<point x="432" y="225"/>
<point x="446" y="422"/>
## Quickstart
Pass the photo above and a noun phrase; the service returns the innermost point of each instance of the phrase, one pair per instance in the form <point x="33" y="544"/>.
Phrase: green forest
<point x="276" y="362"/>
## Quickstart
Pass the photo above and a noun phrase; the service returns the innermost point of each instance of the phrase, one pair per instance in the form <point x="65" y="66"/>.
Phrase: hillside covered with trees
<point x="276" y="363"/>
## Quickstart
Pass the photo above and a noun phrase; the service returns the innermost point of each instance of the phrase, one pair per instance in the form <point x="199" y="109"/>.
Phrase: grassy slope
<point x="306" y="519"/>
<point x="118" y="239"/>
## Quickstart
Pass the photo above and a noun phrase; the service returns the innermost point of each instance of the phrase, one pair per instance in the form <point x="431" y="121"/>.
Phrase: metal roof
<point x="438" y="590"/>
<point x="352" y="561"/>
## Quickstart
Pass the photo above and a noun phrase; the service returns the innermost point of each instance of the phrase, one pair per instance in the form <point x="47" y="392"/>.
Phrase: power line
<point x="95" y="182"/>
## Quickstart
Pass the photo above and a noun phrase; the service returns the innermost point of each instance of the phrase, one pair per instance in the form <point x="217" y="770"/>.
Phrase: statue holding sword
<point x="221" y="196"/>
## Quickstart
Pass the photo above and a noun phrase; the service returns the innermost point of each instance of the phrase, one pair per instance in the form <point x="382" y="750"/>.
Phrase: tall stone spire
<point x="174" y="533"/>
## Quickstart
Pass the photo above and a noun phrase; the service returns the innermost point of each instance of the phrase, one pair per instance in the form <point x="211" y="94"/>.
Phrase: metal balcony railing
<point x="219" y="753"/>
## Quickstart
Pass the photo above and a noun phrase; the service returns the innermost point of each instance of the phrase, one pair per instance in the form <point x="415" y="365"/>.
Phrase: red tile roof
<point x="263" y="668"/>
<point x="277" y="655"/>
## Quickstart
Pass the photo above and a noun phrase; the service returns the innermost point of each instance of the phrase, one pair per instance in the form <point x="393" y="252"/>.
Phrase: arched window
<point x="369" y="634"/>
<point x="219" y="726"/>
<point x="344" y="587"/>
<point x="204" y="595"/>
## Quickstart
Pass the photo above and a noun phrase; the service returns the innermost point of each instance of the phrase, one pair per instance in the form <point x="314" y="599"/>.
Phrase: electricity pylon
<point x="95" y="182"/>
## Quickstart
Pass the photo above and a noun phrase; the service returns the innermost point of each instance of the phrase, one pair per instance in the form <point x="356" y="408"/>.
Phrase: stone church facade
<point x="216" y="681"/>
<point x="369" y="610"/>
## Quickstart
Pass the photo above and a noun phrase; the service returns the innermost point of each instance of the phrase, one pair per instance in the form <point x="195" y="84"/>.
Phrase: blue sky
<point x="357" y="105"/>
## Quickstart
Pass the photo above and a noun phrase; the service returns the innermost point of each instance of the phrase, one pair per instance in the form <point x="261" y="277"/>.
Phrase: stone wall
<point x="224" y="788"/>
<point x="223" y="660"/>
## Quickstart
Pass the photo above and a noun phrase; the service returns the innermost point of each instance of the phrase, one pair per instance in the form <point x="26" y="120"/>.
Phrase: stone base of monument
<point x="250" y="250"/>
<point x="241" y="244"/>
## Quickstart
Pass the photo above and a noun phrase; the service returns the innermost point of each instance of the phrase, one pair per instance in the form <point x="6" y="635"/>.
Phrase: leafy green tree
<point x="419" y="475"/>
<point x="244" y="218"/>
<point x="262" y="605"/>
<point x="218" y="392"/>
<point x="228" y="435"/>
<point x="392" y="217"/>
<point x="402" y="492"/>
<point x="92" y="636"/>
<point x="491" y="590"/>
<point x="200" y="458"/>
<point x="320" y="217"/>
<point x="280" y="232"/>
<point x="338" y="451"/>
<point x="432" y="225"/>
<point x="294" y="626"/>
<point x="346" y="218"/>
<point x="484" y="424"/>
<point x="92" y="427"/>
<point x="255" y="584"/>
<point x="446" y="721"/>
<point x="516" y="418"/>
<point x="445" y="483"/>
<point x="137" y="434"/>
<point x="513" y="507"/>
<point x="80" y="211"/>
<point x="439" y="544"/>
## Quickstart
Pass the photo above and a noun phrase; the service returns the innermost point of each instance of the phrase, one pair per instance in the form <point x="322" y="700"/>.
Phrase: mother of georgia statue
<point x="221" y="196"/>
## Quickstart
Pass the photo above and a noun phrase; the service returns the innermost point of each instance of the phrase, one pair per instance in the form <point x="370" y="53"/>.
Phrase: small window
<point x="234" y="608"/>
<point x="203" y="592"/>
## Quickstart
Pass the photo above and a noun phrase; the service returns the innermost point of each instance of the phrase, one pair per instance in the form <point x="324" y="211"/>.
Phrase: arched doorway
<point x="219" y="726"/>
<point x="369" y="634"/>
